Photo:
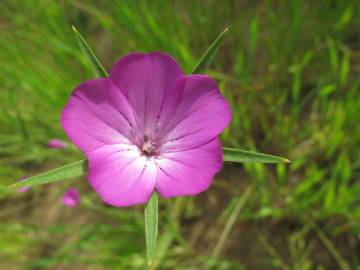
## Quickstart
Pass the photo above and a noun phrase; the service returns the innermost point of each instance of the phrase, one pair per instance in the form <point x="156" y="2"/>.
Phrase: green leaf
<point x="151" y="227"/>
<point x="79" y="168"/>
<point x="243" y="156"/>
<point x="210" y="53"/>
<point x="98" y="69"/>
<point x="74" y="169"/>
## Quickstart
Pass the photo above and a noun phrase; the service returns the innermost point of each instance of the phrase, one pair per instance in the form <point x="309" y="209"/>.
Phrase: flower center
<point x="148" y="147"/>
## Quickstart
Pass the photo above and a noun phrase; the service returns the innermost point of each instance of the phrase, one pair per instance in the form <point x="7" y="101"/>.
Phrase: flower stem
<point x="151" y="227"/>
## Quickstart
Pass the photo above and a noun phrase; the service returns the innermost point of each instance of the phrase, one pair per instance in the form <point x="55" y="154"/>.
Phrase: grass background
<point x="290" y="70"/>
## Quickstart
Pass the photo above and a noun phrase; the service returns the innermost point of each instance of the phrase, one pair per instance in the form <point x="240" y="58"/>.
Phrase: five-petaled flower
<point x="148" y="127"/>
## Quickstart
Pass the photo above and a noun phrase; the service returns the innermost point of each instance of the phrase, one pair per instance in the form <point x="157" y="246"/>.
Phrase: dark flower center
<point x="148" y="147"/>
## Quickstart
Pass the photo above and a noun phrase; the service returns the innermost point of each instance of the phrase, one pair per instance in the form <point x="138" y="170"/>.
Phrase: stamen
<point x="148" y="147"/>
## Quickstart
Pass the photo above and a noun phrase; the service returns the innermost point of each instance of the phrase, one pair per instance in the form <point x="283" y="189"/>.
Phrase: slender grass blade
<point x="209" y="54"/>
<point x="243" y="156"/>
<point x="98" y="69"/>
<point x="74" y="169"/>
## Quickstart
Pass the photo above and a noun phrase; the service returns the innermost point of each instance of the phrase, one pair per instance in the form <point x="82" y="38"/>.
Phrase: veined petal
<point x="188" y="172"/>
<point x="201" y="115"/>
<point x="96" y="114"/>
<point x="148" y="80"/>
<point x="121" y="175"/>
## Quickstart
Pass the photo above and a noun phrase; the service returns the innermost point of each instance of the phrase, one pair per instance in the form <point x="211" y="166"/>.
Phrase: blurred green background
<point x="290" y="70"/>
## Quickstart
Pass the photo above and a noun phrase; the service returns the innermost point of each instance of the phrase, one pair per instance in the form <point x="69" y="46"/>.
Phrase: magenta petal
<point x="71" y="198"/>
<point x="56" y="143"/>
<point x="188" y="172"/>
<point x="121" y="176"/>
<point x="22" y="189"/>
<point x="148" y="81"/>
<point x="98" y="114"/>
<point x="202" y="114"/>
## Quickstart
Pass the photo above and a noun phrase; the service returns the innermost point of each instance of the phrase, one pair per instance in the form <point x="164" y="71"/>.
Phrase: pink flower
<point x="148" y="127"/>
<point x="22" y="189"/>
<point x="56" y="143"/>
<point x="71" y="198"/>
